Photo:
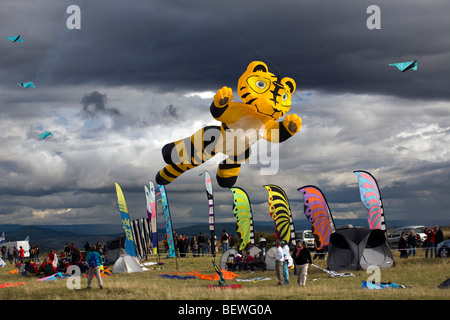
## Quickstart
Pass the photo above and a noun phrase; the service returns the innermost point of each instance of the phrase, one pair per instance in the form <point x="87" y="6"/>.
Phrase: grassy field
<point x="421" y="277"/>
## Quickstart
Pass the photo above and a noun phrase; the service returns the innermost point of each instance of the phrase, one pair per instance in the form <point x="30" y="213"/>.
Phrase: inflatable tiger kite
<point x="266" y="98"/>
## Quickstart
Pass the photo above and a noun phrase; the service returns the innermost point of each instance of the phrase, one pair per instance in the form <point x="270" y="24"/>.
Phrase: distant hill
<point x="47" y="238"/>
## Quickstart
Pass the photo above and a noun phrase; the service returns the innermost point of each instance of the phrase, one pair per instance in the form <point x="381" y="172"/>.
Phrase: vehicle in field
<point x="394" y="236"/>
<point x="306" y="236"/>
<point x="11" y="244"/>
<point x="443" y="249"/>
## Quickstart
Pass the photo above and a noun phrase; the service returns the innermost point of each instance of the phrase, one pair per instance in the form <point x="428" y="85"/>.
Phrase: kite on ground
<point x="404" y="66"/>
<point x="15" y="38"/>
<point x="26" y="85"/>
<point x="44" y="135"/>
<point x="266" y="98"/>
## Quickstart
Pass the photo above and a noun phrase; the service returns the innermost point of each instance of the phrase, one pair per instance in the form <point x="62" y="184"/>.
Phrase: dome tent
<point x="126" y="264"/>
<point x="358" y="248"/>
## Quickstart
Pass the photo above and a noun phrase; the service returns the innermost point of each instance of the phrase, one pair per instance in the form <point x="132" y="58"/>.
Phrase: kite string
<point x="239" y="36"/>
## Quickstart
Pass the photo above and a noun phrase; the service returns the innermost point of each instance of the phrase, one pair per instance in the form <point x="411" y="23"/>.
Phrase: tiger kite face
<point x="264" y="92"/>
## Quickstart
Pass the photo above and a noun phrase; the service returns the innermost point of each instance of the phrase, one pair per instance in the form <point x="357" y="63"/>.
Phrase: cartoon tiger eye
<point x="261" y="84"/>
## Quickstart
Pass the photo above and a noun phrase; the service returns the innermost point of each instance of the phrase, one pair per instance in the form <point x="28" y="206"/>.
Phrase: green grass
<point x="421" y="277"/>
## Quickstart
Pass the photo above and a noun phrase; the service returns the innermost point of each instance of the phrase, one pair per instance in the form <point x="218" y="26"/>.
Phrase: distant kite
<point x="404" y="66"/>
<point x="44" y="135"/>
<point x="15" y="39"/>
<point x="27" y="85"/>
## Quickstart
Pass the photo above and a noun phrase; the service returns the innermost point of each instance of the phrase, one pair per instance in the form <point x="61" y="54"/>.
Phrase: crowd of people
<point x="54" y="262"/>
<point x="408" y="244"/>
<point x="17" y="255"/>
<point x="200" y="245"/>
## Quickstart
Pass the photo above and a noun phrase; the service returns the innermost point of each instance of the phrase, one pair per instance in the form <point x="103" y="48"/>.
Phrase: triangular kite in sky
<point x="15" y="39"/>
<point x="403" y="66"/>
<point x="26" y="85"/>
<point x="44" y="135"/>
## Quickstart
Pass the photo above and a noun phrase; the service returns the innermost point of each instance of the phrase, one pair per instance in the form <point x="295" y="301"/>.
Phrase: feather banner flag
<point x="126" y="223"/>
<point x="244" y="220"/>
<point x="150" y="197"/>
<point x="280" y="211"/>
<point x="209" y="194"/>
<point x="168" y="222"/>
<point x="318" y="213"/>
<point x="371" y="199"/>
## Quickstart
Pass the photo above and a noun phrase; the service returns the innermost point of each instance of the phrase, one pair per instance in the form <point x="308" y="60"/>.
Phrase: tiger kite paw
<point x="293" y="123"/>
<point x="223" y="96"/>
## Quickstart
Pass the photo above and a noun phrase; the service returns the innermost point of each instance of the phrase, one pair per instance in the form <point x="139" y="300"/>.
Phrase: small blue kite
<point x="26" y="85"/>
<point x="404" y="66"/>
<point x="15" y="39"/>
<point x="44" y="135"/>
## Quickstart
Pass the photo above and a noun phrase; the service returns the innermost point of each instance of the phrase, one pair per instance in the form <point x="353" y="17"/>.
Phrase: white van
<point x="305" y="236"/>
<point x="11" y="244"/>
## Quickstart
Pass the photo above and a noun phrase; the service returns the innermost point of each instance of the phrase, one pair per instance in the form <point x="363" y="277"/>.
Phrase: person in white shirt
<point x="279" y="259"/>
<point x="286" y="254"/>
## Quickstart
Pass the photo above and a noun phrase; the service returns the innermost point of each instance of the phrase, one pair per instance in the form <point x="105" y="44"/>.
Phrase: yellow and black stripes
<point x="188" y="153"/>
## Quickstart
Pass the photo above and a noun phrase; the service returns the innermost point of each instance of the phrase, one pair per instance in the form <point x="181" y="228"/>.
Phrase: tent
<point x="445" y="284"/>
<point x="358" y="248"/>
<point x="126" y="264"/>
<point x="270" y="259"/>
<point x="224" y="258"/>
<point x="114" y="249"/>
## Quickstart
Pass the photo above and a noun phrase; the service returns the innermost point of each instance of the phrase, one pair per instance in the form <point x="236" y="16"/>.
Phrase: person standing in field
<point x="429" y="243"/>
<point x="438" y="238"/>
<point x="279" y="259"/>
<point x="412" y="243"/>
<point x="225" y="239"/>
<point x="286" y="254"/>
<point x="302" y="257"/>
<point x="94" y="260"/>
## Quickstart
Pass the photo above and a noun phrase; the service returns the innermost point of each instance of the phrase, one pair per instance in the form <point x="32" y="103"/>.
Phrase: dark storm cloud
<point x="201" y="45"/>
<point x="94" y="104"/>
<point x="117" y="90"/>
<point x="172" y="113"/>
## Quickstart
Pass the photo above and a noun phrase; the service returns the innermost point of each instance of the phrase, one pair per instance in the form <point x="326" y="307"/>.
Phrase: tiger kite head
<point x="264" y="92"/>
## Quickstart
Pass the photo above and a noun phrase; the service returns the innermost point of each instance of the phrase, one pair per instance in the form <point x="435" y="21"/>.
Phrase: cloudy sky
<point x="140" y="74"/>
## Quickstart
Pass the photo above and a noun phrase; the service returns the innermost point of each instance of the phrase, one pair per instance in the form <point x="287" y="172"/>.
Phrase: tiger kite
<point x="266" y="98"/>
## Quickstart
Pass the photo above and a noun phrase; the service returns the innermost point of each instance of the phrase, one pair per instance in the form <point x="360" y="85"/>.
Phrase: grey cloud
<point x="94" y="104"/>
<point x="114" y="93"/>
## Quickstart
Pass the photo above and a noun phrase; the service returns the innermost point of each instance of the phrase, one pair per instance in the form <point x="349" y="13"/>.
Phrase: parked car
<point x="306" y="236"/>
<point x="394" y="236"/>
<point x="443" y="249"/>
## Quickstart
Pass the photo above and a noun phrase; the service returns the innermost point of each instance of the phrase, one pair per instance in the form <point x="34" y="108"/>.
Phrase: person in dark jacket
<point x="438" y="238"/>
<point x="302" y="259"/>
<point x="402" y="245"/>
<point x="412" y="243"/>
<point x="76" y="256"/>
